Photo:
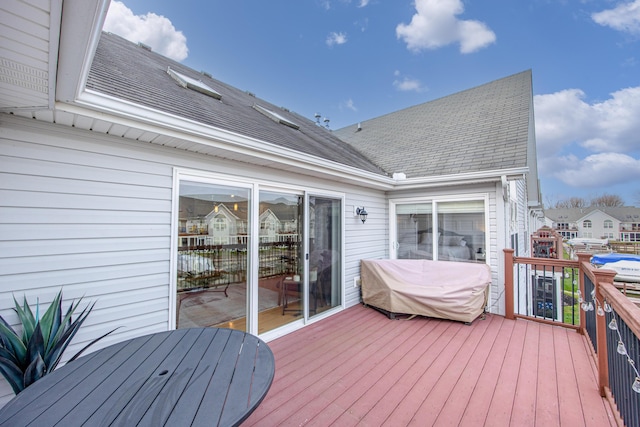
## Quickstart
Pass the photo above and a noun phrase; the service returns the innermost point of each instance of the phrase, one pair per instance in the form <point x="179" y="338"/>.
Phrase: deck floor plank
<point x="594" y="410"/>
<point x="547" y="409"/>
<point x="454" y="409"/>
<point x="478" y="405"/>
<point x="501" y="405"/>
<point x="570" y="406"/>
<point x="526" y="391"/>
<point x="360" y="368"/>
<point x="437" y="405"/>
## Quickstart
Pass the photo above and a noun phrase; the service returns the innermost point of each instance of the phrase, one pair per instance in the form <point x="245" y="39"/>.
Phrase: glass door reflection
<point x="212" y="256"/>
<point x="325" y="261"/>
<point x="281" y="266"/>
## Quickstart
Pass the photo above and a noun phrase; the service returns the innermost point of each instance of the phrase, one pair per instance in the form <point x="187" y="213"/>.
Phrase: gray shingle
<point x="479" y="129"/>
<point x="124" y="70"/>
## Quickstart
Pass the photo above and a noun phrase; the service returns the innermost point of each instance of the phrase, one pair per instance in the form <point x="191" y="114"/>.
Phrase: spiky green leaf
<point x="12" y="342"/>
<point x="35" y="346"/>
<point x="13" y="374"/>
<point x="50" y="321"/>
<point x="26" y="318"/>
<point x="78" y="354"/>
<point x="26" y="358"/>
<point x="34" y="371"/>
<point x="62" y="341"/>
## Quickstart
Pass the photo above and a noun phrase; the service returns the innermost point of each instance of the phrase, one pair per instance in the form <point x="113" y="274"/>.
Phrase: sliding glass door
<point x="252" y="258"/>
<point x="212" y="255"/>
<point x="280" y="259"/>
<point x="325" y="260"/>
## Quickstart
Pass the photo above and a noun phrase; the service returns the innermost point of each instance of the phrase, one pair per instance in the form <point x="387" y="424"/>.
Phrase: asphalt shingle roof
<point x="480" y="129"/>
<point x="130" y="72"/>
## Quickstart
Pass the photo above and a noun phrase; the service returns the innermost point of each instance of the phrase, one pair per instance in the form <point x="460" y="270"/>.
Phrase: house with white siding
<point x="621" y="223"/>
<point x="146" y="186"/>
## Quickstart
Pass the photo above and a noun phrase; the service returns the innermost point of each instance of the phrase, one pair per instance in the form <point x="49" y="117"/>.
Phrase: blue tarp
<point x="613" y="257"/>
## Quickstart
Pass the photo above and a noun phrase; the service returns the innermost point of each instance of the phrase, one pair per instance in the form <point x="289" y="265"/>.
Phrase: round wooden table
<point x="186" y="377"/>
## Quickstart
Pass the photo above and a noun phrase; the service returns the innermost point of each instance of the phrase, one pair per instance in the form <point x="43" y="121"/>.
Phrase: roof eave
<point x="80" y="30"/>
<point x="104" y="107"/>
<point x="467" y="178"/>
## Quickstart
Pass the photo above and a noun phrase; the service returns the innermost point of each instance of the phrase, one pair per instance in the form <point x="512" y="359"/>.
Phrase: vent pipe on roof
<point x="359" y="128"/>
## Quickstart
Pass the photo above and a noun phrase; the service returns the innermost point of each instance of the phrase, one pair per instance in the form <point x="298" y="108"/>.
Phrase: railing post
<point x="508" y="283"/>
<point x="601" y="330"/>
<point x="582" y="257"/>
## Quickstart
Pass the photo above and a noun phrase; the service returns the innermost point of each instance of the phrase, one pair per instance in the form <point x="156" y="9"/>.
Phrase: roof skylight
<point x="193" y="84"/>
<point x="275" y="116"/>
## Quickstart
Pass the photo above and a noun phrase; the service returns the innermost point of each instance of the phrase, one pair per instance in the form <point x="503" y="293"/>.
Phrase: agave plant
<point x="27" y="357"/>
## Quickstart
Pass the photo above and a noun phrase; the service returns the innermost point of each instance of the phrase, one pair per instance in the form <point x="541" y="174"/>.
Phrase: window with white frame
<point x="608" y="223"/>
<point x="442" y="230"/>
<point x="587" y="223"/>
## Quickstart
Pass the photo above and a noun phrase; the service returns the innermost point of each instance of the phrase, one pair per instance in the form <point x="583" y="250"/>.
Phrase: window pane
<point x="212" y="256"/>
<point x="456" y="233"/>
<point x="414" y="225"/>
<point x="280" y="259"/>
<point x="325" y="261"/>
<point x="461" y="228"/>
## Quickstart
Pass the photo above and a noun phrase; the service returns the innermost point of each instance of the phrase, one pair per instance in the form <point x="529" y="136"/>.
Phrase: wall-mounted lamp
<point x="362" y="213"/>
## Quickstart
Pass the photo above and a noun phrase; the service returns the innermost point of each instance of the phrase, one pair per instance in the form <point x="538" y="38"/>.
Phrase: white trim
<point x="81" y="27"/>
<point x="129" y="114"/>
<point x="484" y="196"/>
<point x="55" y="21"/>
<point x="255" y="186"/>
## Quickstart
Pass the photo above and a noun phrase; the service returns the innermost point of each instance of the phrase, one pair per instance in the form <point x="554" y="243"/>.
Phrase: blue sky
<point x="353" y="60"/>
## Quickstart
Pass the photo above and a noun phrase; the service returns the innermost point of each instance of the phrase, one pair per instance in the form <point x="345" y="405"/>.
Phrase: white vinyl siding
<point x="27" y="28"/>
<point x="91" y="214"/>
<point x="92" y="222"/>
<point x="363" y="241"/>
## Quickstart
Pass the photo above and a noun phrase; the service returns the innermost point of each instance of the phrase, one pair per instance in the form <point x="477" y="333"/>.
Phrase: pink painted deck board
<point x="359" y="368"/>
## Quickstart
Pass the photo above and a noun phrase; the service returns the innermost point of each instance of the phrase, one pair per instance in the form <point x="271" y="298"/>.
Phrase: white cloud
<point x="151" y="29"/>
<point x="599" y="170"/>
<point x="605" y="133"/>
<point x="407" y="84"/>
<point x="624" y="17"/>
<point x="336" y="38"/>
<point x="363" y="3"/>
<point x="349" y="104"/>
<point x="435" y="25"/>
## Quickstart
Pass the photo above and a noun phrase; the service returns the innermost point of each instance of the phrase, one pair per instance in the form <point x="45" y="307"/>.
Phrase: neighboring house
<point x="613" y="223"/>
<point x="114" y="158"/>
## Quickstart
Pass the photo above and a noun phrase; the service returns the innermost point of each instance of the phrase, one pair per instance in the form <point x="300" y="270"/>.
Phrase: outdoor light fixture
<point x="362" y="213"/>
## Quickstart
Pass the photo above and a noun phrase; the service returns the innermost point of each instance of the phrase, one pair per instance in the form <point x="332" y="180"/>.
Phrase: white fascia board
<point x="462" y="178"/>
<point x="108" y="108"/>
<point x="55" y="23"/>
<point x="80" y="30"/>
<point x="115" y="110"/>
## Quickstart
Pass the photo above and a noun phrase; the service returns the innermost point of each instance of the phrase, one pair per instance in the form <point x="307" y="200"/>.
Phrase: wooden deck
<point x="360" y="368"/>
